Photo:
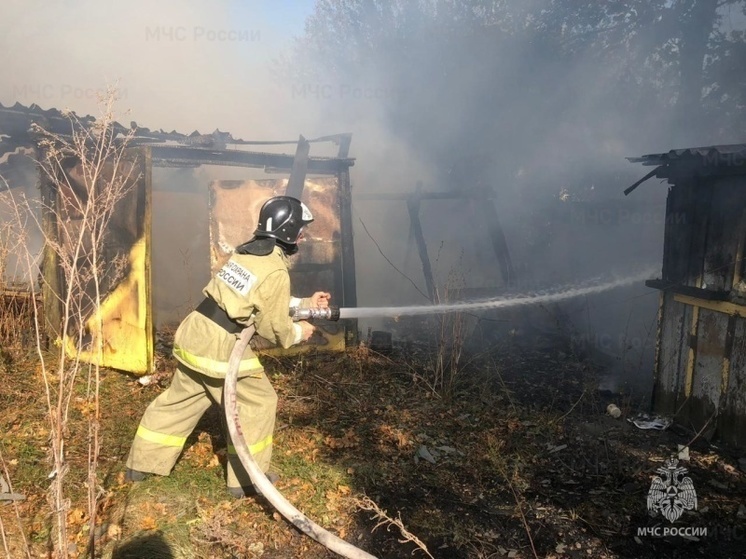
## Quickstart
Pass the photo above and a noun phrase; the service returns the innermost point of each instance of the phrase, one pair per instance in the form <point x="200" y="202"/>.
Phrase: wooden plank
<point x="51" y="288"/>
<point x="727" y="354"/>
<point x="146" y="162"/>
<point x="732" y="412"/>
<point x="725" y="307"/>
<point x="179" y="156"/>
<point x="701" y="205"/>
<point x="421" y="195"/>
<point x="694" y="292"/>
<point x="413" y="206"/>
<point x="497" y="237"/>
<point x="707" y="382"/>
<point x="349" y="282"/>
<point x="680" y="353"/>
<point x="678" y="232"/>
<point x="300" y="168"/>
<point x="657" y="355"/>
<point x="721" y="250"/>
<point x="691" y="353"/>
<point x="738" y="260"/>
<point x="344" y="141"/>
<point x="668" y="390"/>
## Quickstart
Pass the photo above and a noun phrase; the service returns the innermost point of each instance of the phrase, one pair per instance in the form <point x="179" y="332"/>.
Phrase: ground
<point x="518" y="459"/>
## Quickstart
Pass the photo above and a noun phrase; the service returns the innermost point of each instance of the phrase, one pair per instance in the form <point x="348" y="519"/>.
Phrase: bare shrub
<point x="88" y="174"/>
<point x="450" y="334"/>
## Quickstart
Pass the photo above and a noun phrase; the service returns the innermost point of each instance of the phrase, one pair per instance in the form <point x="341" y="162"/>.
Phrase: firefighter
<point x="252" y="288"/>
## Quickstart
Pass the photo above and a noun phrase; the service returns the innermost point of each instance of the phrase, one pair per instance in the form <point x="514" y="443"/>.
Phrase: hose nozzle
<point x="330" y="313"/>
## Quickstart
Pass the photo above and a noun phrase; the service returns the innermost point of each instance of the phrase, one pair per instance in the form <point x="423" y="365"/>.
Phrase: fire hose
<point x="260" y="481"/>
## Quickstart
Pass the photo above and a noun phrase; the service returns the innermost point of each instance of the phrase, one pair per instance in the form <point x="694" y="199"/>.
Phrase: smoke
<point x="179" y="64"/>
<point x="475" y="98"/>
<point x="538" y="103"/>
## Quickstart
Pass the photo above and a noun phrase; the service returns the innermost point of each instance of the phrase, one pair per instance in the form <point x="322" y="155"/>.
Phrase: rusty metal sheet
<point x="234" y="209"/>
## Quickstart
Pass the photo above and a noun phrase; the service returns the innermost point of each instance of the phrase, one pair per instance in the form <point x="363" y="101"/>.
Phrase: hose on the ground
<point x="259" y="479"/>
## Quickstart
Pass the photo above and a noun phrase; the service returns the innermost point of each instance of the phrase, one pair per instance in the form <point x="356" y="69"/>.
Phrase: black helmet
<point x="282" y="218"/>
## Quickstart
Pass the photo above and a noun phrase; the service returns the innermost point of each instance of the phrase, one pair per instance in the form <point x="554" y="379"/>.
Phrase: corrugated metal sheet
<point x="726" y="153"/>
<point x="172" y="149"/>
<point x="682" y="164"/>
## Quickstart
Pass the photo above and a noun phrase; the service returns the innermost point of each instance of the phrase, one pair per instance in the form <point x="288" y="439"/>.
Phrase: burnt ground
<point x="518" y="459"/>
<point x="535" y="454"/>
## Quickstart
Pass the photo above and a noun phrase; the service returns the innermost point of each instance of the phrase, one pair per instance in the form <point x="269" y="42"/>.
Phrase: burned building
<point x="172" y="228"/>
<point x="700" y="362"/>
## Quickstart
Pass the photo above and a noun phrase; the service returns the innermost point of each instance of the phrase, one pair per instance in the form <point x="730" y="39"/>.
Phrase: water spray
<point x="263" y="485"/>
<point x="542" y="297"/>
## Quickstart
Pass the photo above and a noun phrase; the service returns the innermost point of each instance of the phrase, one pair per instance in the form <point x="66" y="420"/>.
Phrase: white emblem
<point x="306" y="215"/>
<point x="236" y="277"/>
<point x="671" y="492"/>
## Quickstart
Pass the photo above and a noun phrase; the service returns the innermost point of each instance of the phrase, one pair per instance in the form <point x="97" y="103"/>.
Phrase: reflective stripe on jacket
<point x="252" y="290"/>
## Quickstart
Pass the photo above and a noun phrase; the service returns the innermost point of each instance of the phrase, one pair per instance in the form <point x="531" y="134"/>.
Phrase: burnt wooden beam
<point x="145" y="159"/>
<point x="725" y="307"/>
<point x="650" y="175"/>
<point x="677" y="239"/>
<point x="348" y="279"/>
<point x="419" y="195"/>
<point x="497" y="237"/>
<point x="686" y="290"/>
<point x="345" y="140"/>
<point x="413" y="206"/>
<point x="52" y="281"/>
<point x="300" y="168"/>
<point x="179" y="156"/>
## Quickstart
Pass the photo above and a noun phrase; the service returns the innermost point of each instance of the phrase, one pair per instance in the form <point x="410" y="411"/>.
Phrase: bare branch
<point x="366" y="503"/>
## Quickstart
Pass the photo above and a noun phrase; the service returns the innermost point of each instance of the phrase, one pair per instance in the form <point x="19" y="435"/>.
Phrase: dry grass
<point x="76" y="215"/>
<point x="350" y="427"/>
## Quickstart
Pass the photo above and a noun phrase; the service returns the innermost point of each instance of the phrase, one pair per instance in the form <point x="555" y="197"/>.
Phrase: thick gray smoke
<point x="536" y="104"/>
<point x="529" y="107"/>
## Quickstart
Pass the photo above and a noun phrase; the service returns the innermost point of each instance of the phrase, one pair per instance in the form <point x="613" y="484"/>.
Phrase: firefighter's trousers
<point x="172" y="416"/>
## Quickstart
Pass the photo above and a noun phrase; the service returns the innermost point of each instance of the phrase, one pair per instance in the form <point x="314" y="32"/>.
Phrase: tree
<point x="469" y="71"/>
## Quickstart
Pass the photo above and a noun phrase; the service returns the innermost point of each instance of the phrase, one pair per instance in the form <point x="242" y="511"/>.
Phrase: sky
<point x="178" y="64"/>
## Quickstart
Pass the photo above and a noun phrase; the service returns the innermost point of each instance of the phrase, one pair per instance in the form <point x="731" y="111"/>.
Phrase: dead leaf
<point x="76" y="516"/>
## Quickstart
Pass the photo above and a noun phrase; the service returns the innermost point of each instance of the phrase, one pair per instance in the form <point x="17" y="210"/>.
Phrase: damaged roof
<point x="693" y="162"/>
<point x="728" y="153"/>
<point x="169" y="148"/>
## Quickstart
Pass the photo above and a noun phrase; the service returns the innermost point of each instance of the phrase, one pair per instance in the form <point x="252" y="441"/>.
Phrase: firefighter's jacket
<point x="252" y="290"/>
